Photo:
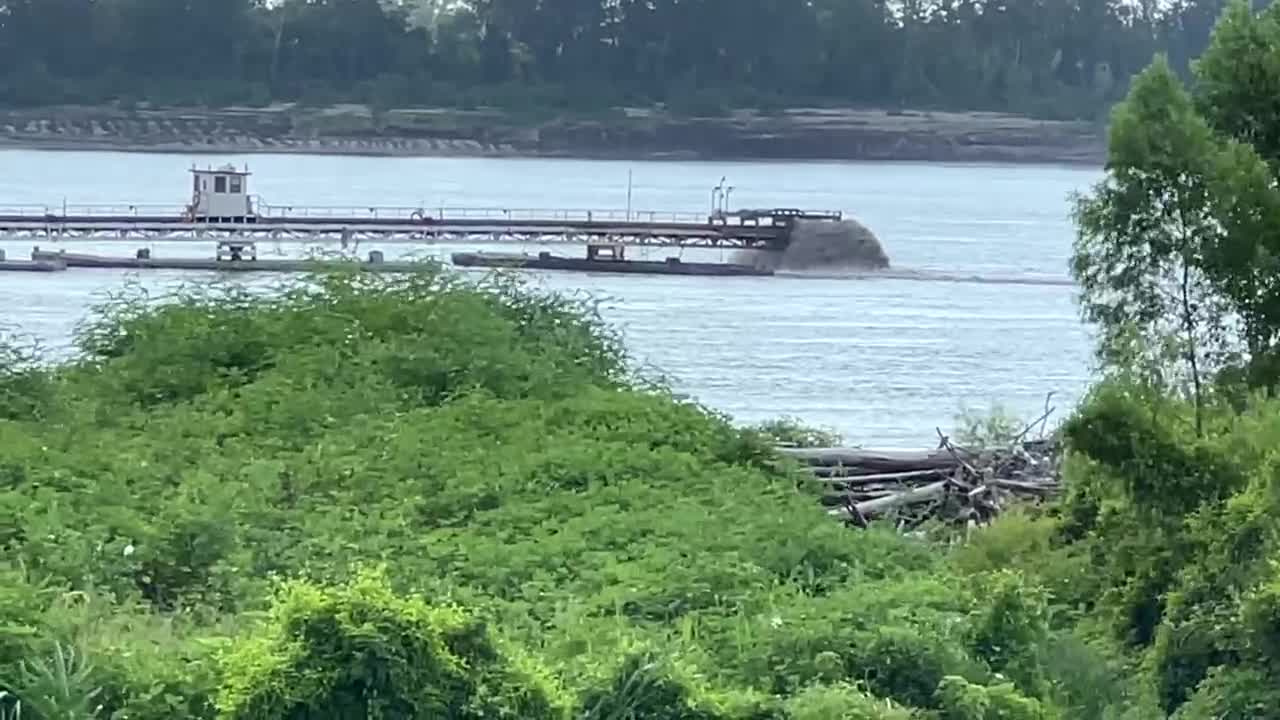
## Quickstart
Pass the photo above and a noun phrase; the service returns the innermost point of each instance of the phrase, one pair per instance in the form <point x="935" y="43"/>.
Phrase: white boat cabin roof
<point x="225" y="170"/>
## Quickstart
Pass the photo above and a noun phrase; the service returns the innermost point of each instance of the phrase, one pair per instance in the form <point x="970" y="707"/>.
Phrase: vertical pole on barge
<point x="628" y="195"/>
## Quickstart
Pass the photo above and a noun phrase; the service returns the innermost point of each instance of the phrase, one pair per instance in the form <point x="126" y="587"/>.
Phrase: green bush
<point x="1186" y="579"/>
<point x="1011" y="629"/>
<point x="1152" y="451"/>
<point x="646" y="686"/>
<point x="961" y="700"/>
<point x="23" y="600"/>
<point x="898" y="636"/>
<point x="362" y="651"/>
<point x="843" y="702"/>
<point x="25" y="386"/>
<point x="1260" y="615"/>
<point x="1234" y="694"/>
<point x="55" y="687"/>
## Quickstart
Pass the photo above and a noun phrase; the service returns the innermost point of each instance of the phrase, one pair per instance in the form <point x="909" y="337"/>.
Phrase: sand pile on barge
<point x="824" y="244"/>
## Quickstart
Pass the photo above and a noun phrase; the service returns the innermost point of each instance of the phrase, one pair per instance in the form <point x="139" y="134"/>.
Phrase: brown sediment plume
<point x="824" y="244"/>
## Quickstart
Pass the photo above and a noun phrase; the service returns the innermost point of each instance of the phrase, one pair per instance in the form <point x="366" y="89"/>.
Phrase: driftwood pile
<point x="949" y="484"/>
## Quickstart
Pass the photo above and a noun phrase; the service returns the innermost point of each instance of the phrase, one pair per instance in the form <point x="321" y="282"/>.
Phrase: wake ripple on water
<point x="928" y="276"/>
<point x="849" y="249"/>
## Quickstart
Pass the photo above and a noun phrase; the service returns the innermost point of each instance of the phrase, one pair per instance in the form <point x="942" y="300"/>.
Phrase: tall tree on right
<point x="1238" y="94"/>
<point x="1141" y="255"/>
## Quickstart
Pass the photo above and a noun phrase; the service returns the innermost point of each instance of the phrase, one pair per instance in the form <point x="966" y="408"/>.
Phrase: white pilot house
<point x="220" y="195"/>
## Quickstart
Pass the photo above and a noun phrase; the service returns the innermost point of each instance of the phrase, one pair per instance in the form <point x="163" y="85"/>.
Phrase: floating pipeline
<point x="929" y="276"/>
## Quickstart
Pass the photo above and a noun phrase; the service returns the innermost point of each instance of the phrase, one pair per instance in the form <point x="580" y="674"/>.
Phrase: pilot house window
<point x="237" y="185"/>
<point x="220" y="184"/>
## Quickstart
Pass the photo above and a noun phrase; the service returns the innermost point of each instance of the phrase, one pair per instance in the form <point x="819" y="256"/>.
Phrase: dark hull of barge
<point x="76" y="260"/>
<point x="40" y="266"/>
<point x="546" y="261"/>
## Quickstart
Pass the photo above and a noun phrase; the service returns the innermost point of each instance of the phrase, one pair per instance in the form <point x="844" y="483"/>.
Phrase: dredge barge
<point x="603" y="258"/>
<point x="223" y="209"/>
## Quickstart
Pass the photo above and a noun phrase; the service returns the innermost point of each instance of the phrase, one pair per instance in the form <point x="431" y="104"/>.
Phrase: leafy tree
<point x="1237" y="81"/>
<point x="1238" y="78"/>
<point x="1142" y="256"/>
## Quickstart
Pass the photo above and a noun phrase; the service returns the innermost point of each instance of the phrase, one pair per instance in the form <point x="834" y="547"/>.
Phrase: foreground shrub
<point x="961" y="700"/>
<point x="843" y="702"/>
<point x="1234" y="694"/>
<point x="1179" y="534"/>
<point x="26" y="388"/>
<point x="361" y="651"/>
<point x="645" y="686"/>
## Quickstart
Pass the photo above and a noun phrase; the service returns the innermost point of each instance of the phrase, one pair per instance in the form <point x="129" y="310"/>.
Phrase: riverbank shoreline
<point x="804" y="134"/>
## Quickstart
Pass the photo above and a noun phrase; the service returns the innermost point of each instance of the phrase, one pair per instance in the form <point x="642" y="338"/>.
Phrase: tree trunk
<point x="1189" y="326"/>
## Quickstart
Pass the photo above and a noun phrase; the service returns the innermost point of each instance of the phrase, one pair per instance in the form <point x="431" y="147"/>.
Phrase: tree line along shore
<point x="555" y="79"/>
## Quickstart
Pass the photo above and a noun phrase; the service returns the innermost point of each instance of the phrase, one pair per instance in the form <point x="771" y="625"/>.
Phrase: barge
<point x="604" y="259"/>
<point x="222" y="209"/>
<point x="31" y="266"/>
<point x="232" y="256"/>
<point x="222" y="206"/>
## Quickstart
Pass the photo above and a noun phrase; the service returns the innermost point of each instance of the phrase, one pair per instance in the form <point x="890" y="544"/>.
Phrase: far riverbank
<point x="623" y="134"/>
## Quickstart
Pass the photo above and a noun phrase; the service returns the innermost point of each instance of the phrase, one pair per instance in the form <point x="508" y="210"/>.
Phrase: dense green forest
<point x="1060" y="58"/>
<point x="423" y="496"/>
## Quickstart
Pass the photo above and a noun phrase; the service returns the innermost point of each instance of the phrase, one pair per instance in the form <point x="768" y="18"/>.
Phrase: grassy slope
<point x="486" y="445"/>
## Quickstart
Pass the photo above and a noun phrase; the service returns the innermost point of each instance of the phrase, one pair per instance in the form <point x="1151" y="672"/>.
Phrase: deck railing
<point x="103" y="210"/>
<point x="446" y="213"/>
<point x="267" y="211"/>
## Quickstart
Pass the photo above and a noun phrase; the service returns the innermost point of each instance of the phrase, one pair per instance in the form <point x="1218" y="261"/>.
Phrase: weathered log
<point x="1038" y="487"/>
<point x="951" y="483"/>
<point x="874" y="477"/>
<point x="833" y="499"/>
<point x="875" y="461"/>
<point x="880" y="506"/>
<point x="853" y="471"/>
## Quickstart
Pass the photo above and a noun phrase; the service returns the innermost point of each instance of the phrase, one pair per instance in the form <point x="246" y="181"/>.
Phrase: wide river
<point x="982" y="318"/>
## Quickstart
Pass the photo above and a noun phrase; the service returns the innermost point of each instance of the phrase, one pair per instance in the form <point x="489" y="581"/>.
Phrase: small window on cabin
<point x="220" y="184"/>
<point x="237" y="185"/>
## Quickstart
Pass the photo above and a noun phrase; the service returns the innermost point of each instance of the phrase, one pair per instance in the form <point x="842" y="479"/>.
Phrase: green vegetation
<point x="1058" y="58"/>
<point x="416" y="497"/>
<point x="1177" y="258"/>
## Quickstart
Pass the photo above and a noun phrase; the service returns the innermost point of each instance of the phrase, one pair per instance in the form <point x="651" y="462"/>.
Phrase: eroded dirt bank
<point x="802" y="134"/>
